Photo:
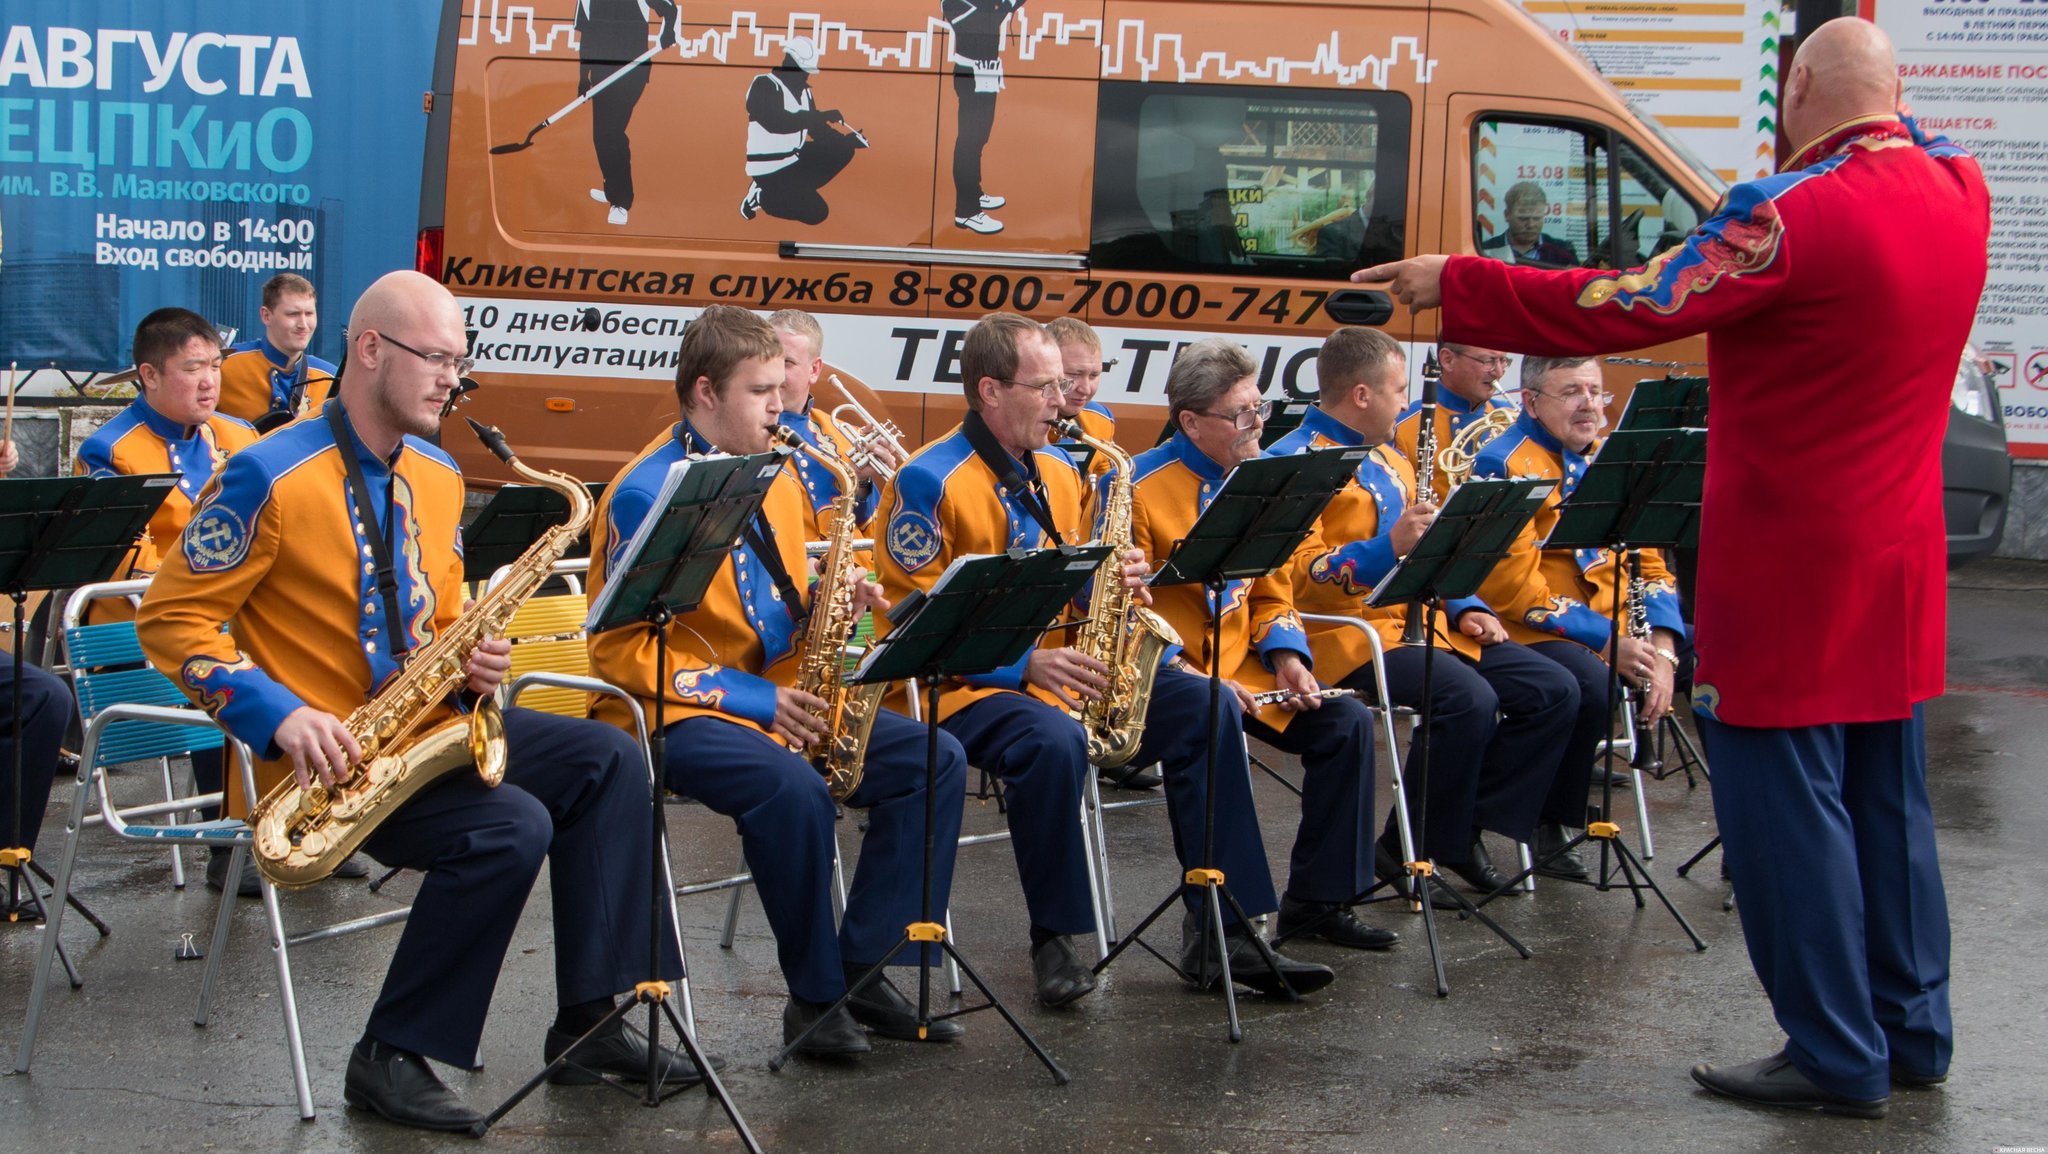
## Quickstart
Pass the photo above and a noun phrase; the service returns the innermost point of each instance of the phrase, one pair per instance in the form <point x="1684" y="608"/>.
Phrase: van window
<point x="1554" y="195"/>
<point x="1248" y="181"/>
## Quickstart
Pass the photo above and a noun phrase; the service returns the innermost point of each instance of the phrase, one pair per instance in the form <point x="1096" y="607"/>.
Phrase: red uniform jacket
<point x="1837" y="297"/>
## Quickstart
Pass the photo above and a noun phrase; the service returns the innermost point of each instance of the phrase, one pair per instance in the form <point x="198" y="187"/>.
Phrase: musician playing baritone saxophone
<point x="1483" y="774"/>
<point x="1212" y="396"/>
<point x="734" y="714"/>
<point x="272" y="551"/>
<point x="995" y="483"/>
<point x="1563" y="599"/>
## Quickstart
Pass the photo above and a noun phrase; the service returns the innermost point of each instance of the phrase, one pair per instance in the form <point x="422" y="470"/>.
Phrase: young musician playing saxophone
<point x="271" y="553"/>
<point x="1212" y="395"/>
<point x="737" y="725"/>
<point x="1483" y="774"/>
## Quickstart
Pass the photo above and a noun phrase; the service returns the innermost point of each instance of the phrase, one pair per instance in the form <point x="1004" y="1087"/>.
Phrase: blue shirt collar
<point x="1195" y="459"/>
<point x="370" y="460"/>
<point x="161" y="425"/>
<point x="1324" y="425"/>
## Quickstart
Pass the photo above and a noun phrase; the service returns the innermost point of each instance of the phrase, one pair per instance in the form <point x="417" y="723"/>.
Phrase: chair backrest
<point x="547" y="637"/>
<point x="108" y="668"/>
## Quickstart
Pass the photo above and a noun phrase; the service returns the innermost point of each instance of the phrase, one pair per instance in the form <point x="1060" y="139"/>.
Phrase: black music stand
<point x="1665" y="403"/>
<point x="511" y="521"/>
<point x="1642" y="490"/>
<point x="982" y="615"/>
<point x="1252" y="526"/>
<point x="1474" y="530"/>
<point x="56" y="533"/>
<point x="663" y="571"/>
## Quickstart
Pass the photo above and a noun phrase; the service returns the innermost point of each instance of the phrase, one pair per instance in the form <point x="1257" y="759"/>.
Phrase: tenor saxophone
<point x="821" y="667"/>
<point x="1123" y="635"/>
<point x="303" y="835"/>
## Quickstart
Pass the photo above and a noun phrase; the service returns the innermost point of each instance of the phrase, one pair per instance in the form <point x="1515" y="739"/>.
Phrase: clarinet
<point x="1415" y="630"/>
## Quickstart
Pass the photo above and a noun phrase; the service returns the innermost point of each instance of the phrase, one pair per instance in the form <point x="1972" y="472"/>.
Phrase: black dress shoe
<point x="1330" y="922"/>
<point x="1130" y="777"/>
<point x="883" y="1008"/>
<point x="1619" y="779"/>
<point x="246" y="884"/>
<point x="1907" y="1078"/>
<point x="352" y="866"/>
<point x="1478" y="871"/>
<point x="1388" y="869"/>
<point x="837" y="1036"/>
<point x="401" y="1087"/>
<point x="1057" y="968"/>
<point x="1567" y="865"/>
<point x="1774" y="1081"/>
<point x="623" y="1055"/>
<point x="1247" y="965"/>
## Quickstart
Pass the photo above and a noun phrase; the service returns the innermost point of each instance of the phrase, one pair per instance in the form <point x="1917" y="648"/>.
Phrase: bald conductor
<point x="1832" y="347"/>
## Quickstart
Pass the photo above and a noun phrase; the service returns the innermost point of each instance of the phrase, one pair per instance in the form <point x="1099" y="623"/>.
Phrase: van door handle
<point x="1360" y="307"/>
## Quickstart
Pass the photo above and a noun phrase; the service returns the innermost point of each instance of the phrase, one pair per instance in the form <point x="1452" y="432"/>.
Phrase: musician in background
<point x="1563" y="601"/>
<point x="271" y="379"/>
<point x="738" y="728"/>
<point x="803" y="350"/>
<point x="995" y="483"/>
<point x="1484" y="774"/>
<point x="254" y="619"/>
<point x="1467" y="391"/>
<point x="1213" y="404"/>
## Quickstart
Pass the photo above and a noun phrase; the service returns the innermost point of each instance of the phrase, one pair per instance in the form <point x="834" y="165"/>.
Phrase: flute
<point x="1276" y="696"/>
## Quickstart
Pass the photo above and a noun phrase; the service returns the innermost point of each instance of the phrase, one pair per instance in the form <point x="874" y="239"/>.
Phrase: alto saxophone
<point x="821" y="668"/>
<point x="303" y="835"/>
<point x="1123" y="635"/>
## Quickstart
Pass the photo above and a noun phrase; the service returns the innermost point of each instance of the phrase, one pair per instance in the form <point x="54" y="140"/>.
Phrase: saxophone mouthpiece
<point x="492" y="439"/>
<point x="1065" y="427"/>
<point x="785" y="437"/>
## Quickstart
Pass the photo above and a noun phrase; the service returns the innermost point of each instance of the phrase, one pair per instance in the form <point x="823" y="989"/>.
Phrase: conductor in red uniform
<point x="1832" y="347"/>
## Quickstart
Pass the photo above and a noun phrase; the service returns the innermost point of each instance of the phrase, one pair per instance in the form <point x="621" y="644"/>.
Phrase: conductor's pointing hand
<point x="1417" y="281"/>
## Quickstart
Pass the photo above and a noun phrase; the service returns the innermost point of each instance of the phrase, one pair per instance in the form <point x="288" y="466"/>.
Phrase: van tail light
<point x="427" y="253"/>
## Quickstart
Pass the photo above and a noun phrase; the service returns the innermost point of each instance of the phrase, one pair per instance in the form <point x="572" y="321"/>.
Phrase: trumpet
<point x="867" y="432"/>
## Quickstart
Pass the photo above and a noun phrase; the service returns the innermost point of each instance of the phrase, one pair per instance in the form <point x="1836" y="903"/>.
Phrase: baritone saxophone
<point x="303" y="835"/>
<point x="1122" y="634"/>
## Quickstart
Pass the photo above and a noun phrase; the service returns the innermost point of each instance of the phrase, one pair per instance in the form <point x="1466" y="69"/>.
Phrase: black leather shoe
<point x="352" y="866"/>
<point x="1774" y="1081"/>
<point x="1130" y="777"/>
<point x="1388" y="869"/>
<point x="246" y="885"/>
<point x="838" y="1036"/>
<point x="403" y="1088"/>
<point x="1568" y="865"/>
<point x="883" y="1008"/>
<point x="1061" y="976"/>
<point x="1619" y="779"/>
<point x="1478" y="871"/>
<point x="1907" y="1078"/>
<point x="1332" y="923"/>
<point x="623" y="1055"/>
<point x="1247" y="965"/>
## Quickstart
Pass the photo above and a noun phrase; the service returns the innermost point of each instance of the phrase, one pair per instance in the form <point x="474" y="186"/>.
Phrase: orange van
<point x="1164" y="171"/>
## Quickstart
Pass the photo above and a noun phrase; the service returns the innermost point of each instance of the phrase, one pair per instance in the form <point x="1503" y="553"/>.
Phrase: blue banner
<point x="182" y="152"/>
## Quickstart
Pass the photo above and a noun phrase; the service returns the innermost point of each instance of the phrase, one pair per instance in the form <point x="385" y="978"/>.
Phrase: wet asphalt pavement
<point x="1584" y="1047"/>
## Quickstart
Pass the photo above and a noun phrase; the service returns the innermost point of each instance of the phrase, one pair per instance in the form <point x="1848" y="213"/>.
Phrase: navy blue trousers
<point x="1565" y="804"/>
<point x="45" y="713"/>
<point x="786" y="822"/>
<point x="1829" y="841"/>
<point x="1332" y="856"/>
<point x="1041" y="757"/>
<point x="1497" y="738"/>
<point x="576" y="793"/>
<point x="1178" y="737"/>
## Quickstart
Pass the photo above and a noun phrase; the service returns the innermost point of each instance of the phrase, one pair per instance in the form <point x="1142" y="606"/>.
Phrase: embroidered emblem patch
<point x="913" y="540"/>
<point x="216" y="540"/>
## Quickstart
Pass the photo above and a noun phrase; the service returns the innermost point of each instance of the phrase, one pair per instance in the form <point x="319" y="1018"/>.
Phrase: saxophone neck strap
<point x="398" y="638"/>
<point x="1030" y="493"/>
<point x="761" y="539"/>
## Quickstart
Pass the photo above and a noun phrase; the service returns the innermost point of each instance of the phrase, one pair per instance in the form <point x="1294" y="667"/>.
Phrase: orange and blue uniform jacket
<point x="1796" y="497"/>
<point x="1099" y="422"/>
<point x="727" y="656"/>
<point x="821" y="488"/>
<point x="1453" y="413"/>
<point x="945" y="503"/>
<point x="275" y="553"/>
<point x="1352" y="549"/>
<point x="1566" y="593"/>
<point x="141" y="440"/>
<point x="255" y="378"/>
<point x="1176" y="481"/>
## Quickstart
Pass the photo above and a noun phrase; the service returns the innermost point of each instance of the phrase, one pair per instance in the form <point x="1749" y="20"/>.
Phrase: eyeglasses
<point x="1250" y="418"/>
<point x="1579" y="394"/>
<point x="441" y="361"/>
<point x="1494" y="362"/>
<point x="1053" y="389"/>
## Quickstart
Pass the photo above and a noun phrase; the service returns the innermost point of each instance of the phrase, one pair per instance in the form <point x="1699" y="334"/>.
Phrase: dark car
<point x="1976" y="470"/>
